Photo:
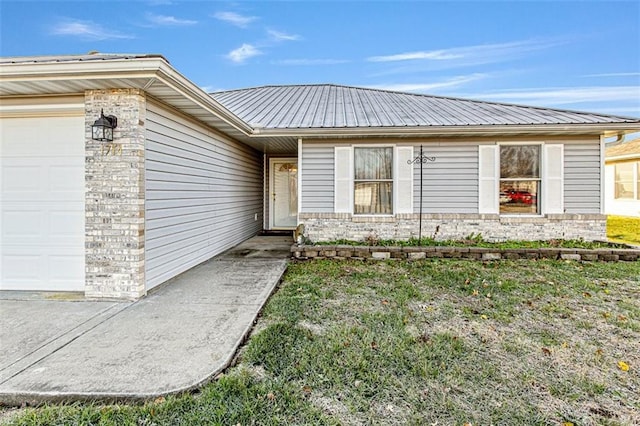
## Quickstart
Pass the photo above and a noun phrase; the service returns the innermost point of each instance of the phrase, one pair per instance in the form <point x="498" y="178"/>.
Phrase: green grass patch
<point x="424" y="342"/>
<point x="623" y="229"/>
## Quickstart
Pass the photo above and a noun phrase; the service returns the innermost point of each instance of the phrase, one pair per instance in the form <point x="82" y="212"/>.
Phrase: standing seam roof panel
<point x="326" y="106"/>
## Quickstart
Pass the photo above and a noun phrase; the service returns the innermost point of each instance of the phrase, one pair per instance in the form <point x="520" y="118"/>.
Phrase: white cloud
<point x="565" y="95"/>
<point x="235" y="18"/>
<point x="244" y="52"/>
<point x="467" y="55"/>
<point x="628" y="112"/>
<point x="280" y="36"/>
<point x="425" y="87"/>
<point x="169" y="20"/>
<point x="211" y="89"/>
<point x="615" y="74"/>
<point x="306" y="62"/>
<point x="437" y="55"/>
<point x="87" y="30"/>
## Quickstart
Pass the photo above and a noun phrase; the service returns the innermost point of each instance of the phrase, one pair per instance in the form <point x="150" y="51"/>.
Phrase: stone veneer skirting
<point x="303" y="252"/>
<point x="322" y="227"/>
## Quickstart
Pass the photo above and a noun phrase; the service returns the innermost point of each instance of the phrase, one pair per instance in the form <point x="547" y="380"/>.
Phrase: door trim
<point x="273" y="160"/>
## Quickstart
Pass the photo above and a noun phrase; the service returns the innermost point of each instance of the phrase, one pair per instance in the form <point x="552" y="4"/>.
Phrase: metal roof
<point x="92" y="56"/>
<point x="272" y="119"/>
<point x="332" y="106"/>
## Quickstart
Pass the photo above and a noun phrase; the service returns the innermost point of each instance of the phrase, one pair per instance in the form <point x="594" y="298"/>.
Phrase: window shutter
<point x="404" y="179"/>
<point x="488" y="177"/>
<point x="343" y="188"/>
<point x="553" y="179"/>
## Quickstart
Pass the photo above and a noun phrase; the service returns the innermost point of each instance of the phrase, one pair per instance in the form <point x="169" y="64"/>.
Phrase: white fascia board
<point x="79" y="70"/>
<point x="623" y="157"/>
<point x="492" y="130"/>
<point x="172" y="78"/>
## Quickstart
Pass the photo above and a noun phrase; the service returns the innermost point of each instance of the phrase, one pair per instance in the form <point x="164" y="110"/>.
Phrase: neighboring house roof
<point x="623" y="150"/>
<point x="333" y="106"/>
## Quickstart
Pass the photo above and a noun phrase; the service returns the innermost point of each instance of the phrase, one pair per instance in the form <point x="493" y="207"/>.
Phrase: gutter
<point x="584" y="129"/>
<point x="156" y="69"/>
<point x="623" y="157"/>
<point x="172" y="78"/>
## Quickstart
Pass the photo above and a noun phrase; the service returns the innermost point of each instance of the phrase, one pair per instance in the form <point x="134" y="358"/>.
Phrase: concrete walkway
<point x="62" y="347"/>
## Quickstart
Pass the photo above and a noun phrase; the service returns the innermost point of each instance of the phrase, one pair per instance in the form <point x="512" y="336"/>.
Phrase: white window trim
<point x="635" y="170"/>
<point x="351" y="179"/>
<point x="542" y="174"/>
<point x="393" y="178"/>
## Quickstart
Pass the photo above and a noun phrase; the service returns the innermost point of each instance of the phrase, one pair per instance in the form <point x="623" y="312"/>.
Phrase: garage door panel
<point x="64" y="178"/>
<point x="14" y="133"/>
<point x="67" y="225"/>
<point x="19" y="179"/>
<point x="51" y="268"/>
<point x="21" y="223"/>
<point x="42" y="221"/>
<point x="63" y="268"/>
<point x="22" y="267"/>
<point x="44" y="137"/>
<point x="42" y="204"/>
<point x="42" y="179"/>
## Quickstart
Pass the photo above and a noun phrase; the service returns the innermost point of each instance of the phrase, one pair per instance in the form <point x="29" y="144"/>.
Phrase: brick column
<point x="114" y="197"/>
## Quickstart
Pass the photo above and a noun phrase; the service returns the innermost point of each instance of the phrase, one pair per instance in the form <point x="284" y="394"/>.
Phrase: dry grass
<point x="426" y="342"/>
<point x="454" y="341"/>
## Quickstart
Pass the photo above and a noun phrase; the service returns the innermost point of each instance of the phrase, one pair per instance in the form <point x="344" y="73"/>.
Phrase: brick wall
<point x="321" y="227"/>
<point x="114" y="197"/>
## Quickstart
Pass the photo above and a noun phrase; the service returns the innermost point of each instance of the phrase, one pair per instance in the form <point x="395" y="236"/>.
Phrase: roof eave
<point x="605" y="129"/>
<point x="148" y="70"/>
<point x="633" y="156"/>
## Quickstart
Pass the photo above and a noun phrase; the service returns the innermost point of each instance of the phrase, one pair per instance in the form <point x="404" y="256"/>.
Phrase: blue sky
<point x="581" y="55"/>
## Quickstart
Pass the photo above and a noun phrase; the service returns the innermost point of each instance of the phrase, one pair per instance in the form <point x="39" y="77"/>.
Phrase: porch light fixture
<point x="102" y="129"/>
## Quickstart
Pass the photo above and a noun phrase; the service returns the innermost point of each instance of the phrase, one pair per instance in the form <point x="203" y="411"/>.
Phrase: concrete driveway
<point x="57" y="347"/>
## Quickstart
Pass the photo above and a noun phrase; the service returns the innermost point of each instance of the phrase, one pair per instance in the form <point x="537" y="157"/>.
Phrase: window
<point x="373" y="181"/>
<point x="520" y="180"/>
<point x="624" y="181"/>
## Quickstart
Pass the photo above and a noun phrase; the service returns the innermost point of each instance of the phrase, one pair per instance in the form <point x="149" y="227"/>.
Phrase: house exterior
<point x="189" y="175"/>
<point x="622" y="178"/>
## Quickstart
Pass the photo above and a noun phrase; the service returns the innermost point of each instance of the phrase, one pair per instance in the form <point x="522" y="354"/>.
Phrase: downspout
<point x="299" y="180"/>
<point x="602" y="160"/>
<point x="265" y="195"/>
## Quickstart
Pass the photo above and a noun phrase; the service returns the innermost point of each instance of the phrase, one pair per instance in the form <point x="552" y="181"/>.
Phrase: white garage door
<point x="42" y="204"/>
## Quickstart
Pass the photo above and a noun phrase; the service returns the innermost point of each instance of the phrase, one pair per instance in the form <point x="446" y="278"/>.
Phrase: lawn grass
<point x="623" y="229"/>
<point x="425" y="342"/>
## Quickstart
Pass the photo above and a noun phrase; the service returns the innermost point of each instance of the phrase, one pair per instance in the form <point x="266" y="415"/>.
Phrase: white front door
<point x="283" y="191"/>
<point x="42" y="203"/>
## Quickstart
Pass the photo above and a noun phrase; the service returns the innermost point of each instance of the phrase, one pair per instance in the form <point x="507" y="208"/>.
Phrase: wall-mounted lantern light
<point x="102" y="129"/>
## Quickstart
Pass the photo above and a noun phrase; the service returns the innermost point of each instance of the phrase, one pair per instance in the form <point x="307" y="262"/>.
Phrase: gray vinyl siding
<point x="202" y="194"/>
<point x="450" y="183"/>
<point x="582" y="176"/>
<point x="317" y="178"/>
